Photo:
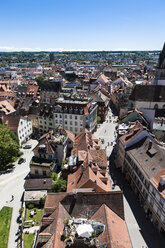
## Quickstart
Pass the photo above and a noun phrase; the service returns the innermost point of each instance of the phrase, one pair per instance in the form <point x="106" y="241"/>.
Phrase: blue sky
<point x="82" y="24"/>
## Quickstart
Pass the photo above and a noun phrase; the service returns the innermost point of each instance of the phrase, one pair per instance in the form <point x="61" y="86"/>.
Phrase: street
<point x="11" y="183"/>
<point x="141" y="231"/>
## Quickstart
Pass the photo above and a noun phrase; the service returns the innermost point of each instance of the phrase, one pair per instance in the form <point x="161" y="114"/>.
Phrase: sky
<point x="71" y="25"/>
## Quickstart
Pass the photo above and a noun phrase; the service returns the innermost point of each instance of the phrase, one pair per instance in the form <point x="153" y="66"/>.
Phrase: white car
<point x="27" y="146"/>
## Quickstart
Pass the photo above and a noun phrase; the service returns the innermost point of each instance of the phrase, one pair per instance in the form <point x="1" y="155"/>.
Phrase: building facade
<point x="75" y="115"/>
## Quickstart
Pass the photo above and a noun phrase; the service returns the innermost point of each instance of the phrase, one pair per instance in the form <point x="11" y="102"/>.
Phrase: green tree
<point x="59" y="185"/>
<point x="54" y="176"/>
<point x="98" y="119"/>
<point x="9" y="147"/>
<point x="39" y="80"/>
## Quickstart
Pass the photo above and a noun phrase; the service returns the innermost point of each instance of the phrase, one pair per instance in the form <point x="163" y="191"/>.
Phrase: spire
<point x="163" y="50"/>
<point x="161" y="58"/>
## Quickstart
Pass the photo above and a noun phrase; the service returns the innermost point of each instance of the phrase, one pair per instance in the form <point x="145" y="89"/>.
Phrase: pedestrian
<point x="12" y="197"/>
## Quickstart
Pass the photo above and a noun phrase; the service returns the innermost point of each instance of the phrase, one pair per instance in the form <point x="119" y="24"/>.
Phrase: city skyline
<point x="82" y="25"/>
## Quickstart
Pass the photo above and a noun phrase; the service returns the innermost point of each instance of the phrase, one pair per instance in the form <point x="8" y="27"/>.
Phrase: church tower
<point x="160" y="72"/>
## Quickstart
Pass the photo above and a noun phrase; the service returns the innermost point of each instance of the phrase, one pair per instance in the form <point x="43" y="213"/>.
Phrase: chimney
<point x="161" y="185"/>
<point x="82" y="168"/>
<point x="162" y="180"/>
<point x="95" y="184"/>
<point x="149" y="145"/>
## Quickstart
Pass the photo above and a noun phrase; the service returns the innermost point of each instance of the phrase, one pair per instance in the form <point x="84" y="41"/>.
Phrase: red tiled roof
<point x="88" y="177"/>
<point x="85" y="141"/>
<point x="11" y="121"/>
<point x="32" y="90"/>
<point x="135" y="130"/>
<point x="155" y="182"/>
<point x="106" y="208"/>
<point x="71" y="135"/>
<point x="116" y="233"/>
<point x="6" y="107"/>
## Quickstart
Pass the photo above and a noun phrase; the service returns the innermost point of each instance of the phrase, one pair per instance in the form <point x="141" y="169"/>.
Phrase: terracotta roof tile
<point x="11" y="121"/>
<point x="87" y="180"/>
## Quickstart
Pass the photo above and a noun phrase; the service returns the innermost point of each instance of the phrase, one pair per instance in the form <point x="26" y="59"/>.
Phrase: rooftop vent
<point x="42" y="146"/>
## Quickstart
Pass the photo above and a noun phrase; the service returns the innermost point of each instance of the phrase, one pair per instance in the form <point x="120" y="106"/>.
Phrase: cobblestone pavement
<point x="141" y="231"/>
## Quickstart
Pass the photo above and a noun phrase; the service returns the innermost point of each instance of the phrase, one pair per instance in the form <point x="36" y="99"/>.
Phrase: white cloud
<point x="28" y="49"/>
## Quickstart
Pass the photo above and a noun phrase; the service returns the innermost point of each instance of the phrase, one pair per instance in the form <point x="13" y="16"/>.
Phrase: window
<point x="60" y="116"/>
<point x="75" y="123"/>
<point x="151" y="202"/>
<point x="70" y="109"/>
<point x="75" y="129"/>
<point x="81" y="110"/>
<point x="65" y="116"/>
<point x="70" y="116"/>
<point x="70" y="128"/>
<point x="75" y="117"/>
<point x="161" y="201"/>
<point x="56" y="121"/>
<point x="50" y="124"/>
<point x="153" y="192"/>
<point x="66" y="122"/>
<point x="44" y="173"/>
<point x="70" y="122"/>
<point x="164" y="221"/>
<point x="158" y="212"/>
<point x="156" y="106"/>
<point x="36" y="172"/>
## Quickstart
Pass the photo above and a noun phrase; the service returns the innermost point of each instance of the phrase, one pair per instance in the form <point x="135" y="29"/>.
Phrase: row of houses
<point x="88" y="203"/>
<point x="141" y="158"/>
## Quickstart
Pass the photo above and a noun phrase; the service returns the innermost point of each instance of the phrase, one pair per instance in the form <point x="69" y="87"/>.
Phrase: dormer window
<point x="65" y="109"/>
<point x="161" y="185"/>
<point x="58" y="109"/>
<point x="70" y="110"/>
<point x="76" y="110"/>
<point x="81" y="110"/>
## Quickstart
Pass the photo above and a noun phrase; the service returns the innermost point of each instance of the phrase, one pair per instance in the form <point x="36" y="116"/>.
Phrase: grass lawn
<point x="36" y="218"/>
<point x="5" y="221"/>
<point x="28" y="240"/>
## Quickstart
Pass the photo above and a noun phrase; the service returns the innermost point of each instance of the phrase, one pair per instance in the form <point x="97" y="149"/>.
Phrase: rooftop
<point x="103" y="210"/>
<point x="149" y="157"/>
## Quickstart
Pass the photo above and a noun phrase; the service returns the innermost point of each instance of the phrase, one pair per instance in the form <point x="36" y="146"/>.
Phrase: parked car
<point x="27" y="146"/>
<point x="21" y="160"/>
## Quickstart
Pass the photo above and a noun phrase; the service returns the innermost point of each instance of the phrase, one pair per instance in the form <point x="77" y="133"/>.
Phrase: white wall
<point x="24" y="130"/>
